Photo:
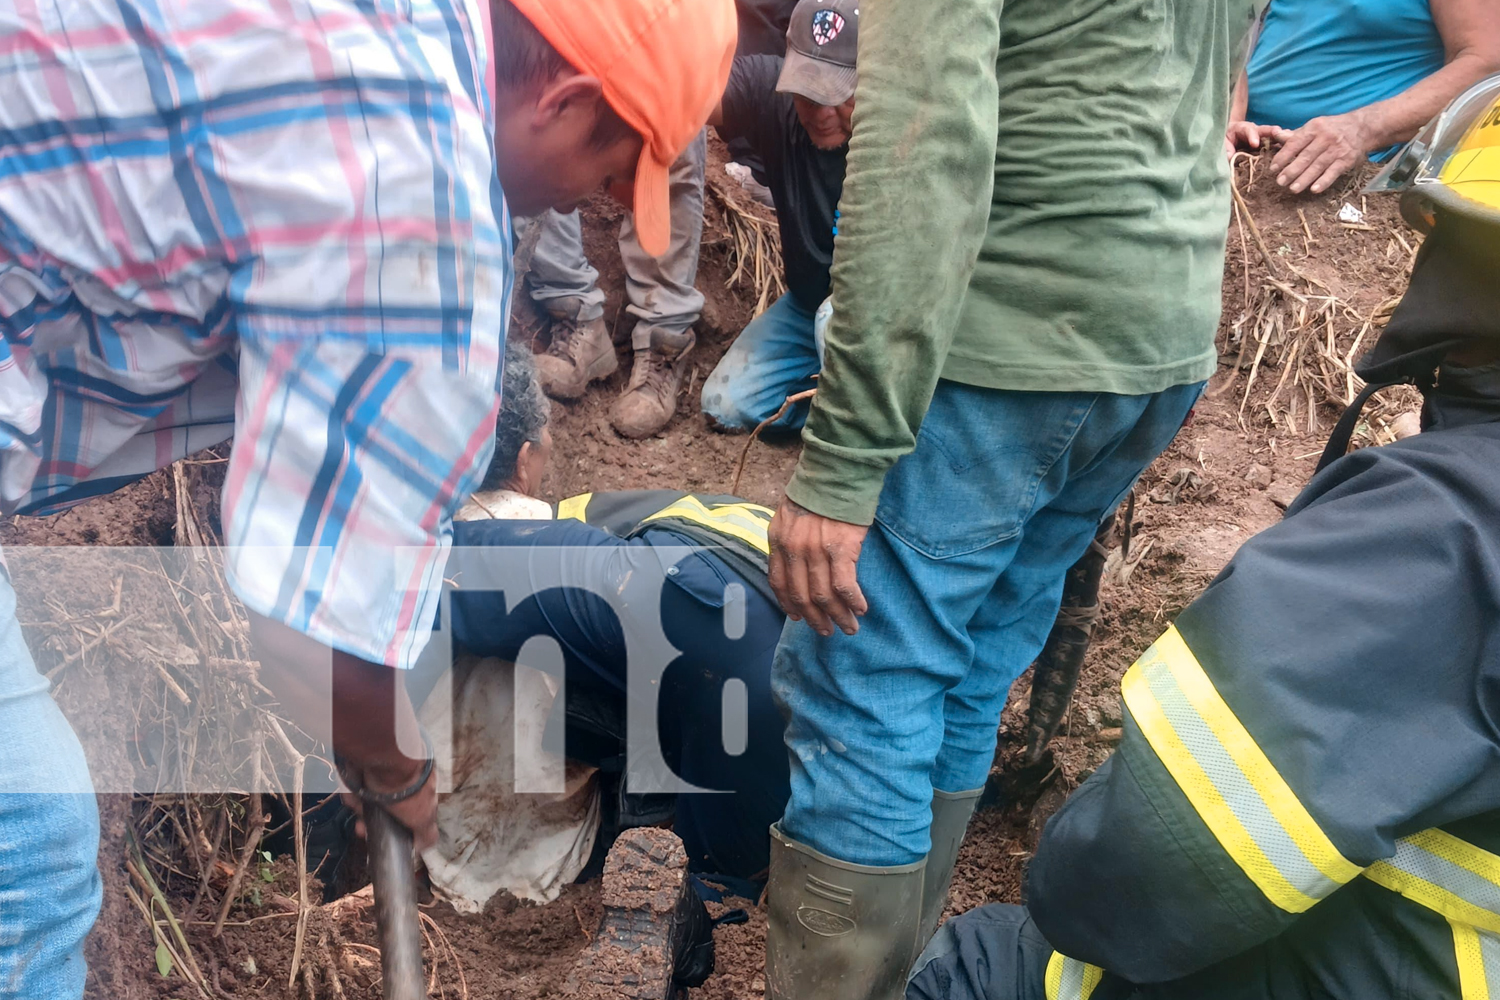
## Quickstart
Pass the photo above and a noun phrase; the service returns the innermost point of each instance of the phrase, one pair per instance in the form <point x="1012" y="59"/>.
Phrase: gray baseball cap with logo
<point x="822" y="43"/>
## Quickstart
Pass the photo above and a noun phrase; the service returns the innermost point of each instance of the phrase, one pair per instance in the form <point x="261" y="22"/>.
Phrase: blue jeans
<point x="963" y="570"/>
<point x="772" y="358"/>
<point x="50" y="889"/>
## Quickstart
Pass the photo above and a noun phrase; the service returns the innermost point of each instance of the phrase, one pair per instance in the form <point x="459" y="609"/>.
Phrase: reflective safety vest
<point x="1461" y="882"/>
<point x="735" y="529"/>
<point x="1070" y="979"/>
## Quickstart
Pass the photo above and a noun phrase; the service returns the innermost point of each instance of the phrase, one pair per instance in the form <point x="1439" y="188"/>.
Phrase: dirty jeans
<point x="50" y="889"/>
<point x="963" y="570"/>
<point x="775" y="356"/>
<point x="661" y="290"/>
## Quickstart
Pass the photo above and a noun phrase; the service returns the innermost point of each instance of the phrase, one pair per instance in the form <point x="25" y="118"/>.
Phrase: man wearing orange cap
<point x="661" y="290"/>
<point x="235" y="218"/>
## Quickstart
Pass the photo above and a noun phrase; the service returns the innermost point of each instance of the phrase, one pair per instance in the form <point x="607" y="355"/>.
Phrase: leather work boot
<point x="580" y="353"/>
<point x="650" y="400"/>
<point x="951" y="812"/>
<point x="656" y="935"/>
<point x="839" y="930"/>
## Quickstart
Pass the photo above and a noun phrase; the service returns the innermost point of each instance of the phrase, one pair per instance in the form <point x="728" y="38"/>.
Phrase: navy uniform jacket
<point x="1306" y="801"/>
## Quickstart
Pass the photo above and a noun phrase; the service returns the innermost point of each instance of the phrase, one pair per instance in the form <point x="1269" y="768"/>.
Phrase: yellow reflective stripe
<point x="1070" y="979"/>
<point x="1274" y="791"/>
<point x="1473" y="983"/>
<point x="574" y="508"/>
<point x="1234" y="787"/>
<point x="731" y="519"/>
<point x="1460" y="881"/>
<point x="1445" y="874"/>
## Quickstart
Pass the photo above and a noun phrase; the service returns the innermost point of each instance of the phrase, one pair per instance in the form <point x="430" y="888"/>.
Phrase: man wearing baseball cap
<point x="794" y="115"/>
<point x="323" y="277"/>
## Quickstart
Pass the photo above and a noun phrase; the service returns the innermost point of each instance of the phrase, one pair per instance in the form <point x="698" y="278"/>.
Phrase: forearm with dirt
<point x="915" y="205"/>
<point x="1239" y="101"/>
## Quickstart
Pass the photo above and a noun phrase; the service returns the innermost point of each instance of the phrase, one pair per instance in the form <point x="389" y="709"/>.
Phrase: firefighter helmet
<point x="1453" y="163"/>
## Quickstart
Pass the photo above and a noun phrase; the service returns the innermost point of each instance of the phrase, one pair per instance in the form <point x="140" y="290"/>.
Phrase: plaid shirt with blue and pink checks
<point x="272" y="219"/>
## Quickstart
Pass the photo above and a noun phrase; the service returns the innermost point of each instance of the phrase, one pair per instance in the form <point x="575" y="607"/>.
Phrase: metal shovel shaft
<point x="396" y="920"/>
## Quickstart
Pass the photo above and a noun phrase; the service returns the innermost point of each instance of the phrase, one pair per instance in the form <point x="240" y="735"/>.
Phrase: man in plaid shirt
<point x="288" y="221"/>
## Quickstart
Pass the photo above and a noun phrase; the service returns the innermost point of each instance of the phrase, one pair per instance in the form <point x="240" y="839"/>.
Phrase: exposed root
<point x="792" y="400"/>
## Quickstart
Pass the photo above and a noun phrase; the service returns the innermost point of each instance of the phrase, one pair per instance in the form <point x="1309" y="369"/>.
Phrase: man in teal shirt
<point x="1026" y="288"/>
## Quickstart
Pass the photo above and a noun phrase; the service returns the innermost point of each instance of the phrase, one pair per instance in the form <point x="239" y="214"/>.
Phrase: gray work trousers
<point x="661" y="289"/>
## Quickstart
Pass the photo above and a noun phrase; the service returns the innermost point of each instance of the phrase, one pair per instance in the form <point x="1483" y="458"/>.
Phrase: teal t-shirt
<point x="1329" y="57"/>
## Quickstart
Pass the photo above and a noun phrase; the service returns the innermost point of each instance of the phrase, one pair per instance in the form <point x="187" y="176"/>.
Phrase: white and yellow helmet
<point x="1453" y="163"/>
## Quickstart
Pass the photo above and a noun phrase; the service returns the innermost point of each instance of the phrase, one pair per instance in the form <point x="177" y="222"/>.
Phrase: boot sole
<point x="646" y="894"/>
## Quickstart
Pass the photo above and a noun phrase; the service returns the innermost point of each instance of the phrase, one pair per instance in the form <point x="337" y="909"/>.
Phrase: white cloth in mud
<point x="493" y="835"/>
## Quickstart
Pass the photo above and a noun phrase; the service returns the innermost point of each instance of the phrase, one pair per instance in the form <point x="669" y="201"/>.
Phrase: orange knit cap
<point x="664" y="65"/>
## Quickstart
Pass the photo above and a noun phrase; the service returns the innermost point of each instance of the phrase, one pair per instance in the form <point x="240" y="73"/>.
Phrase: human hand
<point x="356" y="707"/>
<point x="1320" y="152"/>
<point x="1250" y="136"/>
<point x="813" y="562"/>
<point x="418" y="813"/>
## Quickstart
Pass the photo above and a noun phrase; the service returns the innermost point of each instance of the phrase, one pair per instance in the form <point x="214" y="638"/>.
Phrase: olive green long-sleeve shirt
<point x="1037" y="199"/>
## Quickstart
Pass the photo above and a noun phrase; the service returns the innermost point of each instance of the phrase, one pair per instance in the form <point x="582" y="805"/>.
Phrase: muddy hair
<point x="523" y="58"/>
<point x="524" y="411"/>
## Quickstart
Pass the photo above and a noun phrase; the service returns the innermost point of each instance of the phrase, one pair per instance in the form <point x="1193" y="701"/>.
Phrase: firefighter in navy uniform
<point x="1306" y="801"/>
<point x="596" y="545"/>
<point x="691" y="566"/>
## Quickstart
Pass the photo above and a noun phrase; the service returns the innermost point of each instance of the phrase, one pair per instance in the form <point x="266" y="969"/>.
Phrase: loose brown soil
<point x="1228" y="475"/>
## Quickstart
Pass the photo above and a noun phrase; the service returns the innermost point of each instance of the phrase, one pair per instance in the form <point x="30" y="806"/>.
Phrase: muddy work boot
<point x="580" y="353"/>
<point x="650" y="400"/>
<point x="656" y="935"/>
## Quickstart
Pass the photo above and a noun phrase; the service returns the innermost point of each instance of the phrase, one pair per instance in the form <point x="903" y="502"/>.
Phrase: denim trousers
<point x="775" y="356"/>
<point x="963" y="570"/>
<point x="50" y="890"/>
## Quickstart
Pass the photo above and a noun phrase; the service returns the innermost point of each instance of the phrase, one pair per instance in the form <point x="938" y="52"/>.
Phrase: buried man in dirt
<point x="594" y="579"/>
<point x="316" y="269"/>
<point x="1306" y="801"/>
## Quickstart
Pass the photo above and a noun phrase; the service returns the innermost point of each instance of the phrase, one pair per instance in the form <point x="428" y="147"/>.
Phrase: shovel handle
<point x="396" y="920"/>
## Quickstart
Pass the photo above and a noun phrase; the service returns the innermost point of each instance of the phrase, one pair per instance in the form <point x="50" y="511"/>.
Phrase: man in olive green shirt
<point x="1026" y="287"/>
